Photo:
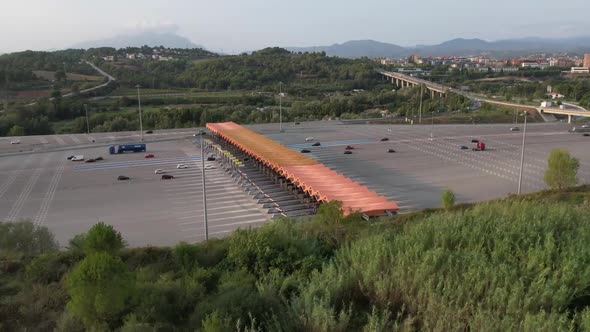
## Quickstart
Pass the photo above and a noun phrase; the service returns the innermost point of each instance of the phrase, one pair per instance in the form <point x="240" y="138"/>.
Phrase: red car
<point x="149" y="155"/>
<point x="348" y="147"/>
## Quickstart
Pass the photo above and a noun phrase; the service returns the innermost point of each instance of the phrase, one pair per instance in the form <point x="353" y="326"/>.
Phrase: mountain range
<point x="150" y="38"/>
<point x="456" y="47"/>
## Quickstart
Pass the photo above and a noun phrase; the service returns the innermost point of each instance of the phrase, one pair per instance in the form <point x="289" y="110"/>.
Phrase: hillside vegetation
<point x="510" y="265"/>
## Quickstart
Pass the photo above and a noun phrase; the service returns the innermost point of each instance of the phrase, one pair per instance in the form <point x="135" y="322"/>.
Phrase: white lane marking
<point x="15" y="174"/>
<point x="17" y="206"/>
<point x="49" y="195"/>
<point x="43" y="140"/>
<point x="59" y="140"/>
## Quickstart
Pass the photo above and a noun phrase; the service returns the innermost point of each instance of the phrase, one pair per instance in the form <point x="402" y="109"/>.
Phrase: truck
<point x="116" y="149"/>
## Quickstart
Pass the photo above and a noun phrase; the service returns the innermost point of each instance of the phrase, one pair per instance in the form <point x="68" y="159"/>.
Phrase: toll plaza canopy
<point x="314" y="178"/>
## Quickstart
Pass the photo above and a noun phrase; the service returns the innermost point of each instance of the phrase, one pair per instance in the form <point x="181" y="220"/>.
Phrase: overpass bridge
<point x="404" y="80"/>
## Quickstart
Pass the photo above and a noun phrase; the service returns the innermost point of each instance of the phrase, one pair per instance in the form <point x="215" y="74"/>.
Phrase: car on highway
<point x="349" y="147"/>
<point x="149" y="132"/>
<point x="474" y="141"/>
<point x="316" y="144"/>
<point x="79" y="157"/>
<point x="309" y="139"/>
<point x="15" y="141"/>
<point x="585" y="134"/>
<point x="149" y="155"/>
<point x="384" y="139"/>
<point x="159" y="171"/>
<point x="181" y="166"/>
<point x="199" y="134"/>
<point x="90" y="160"/>
<point x="464" y="147"/>
<point x="347" y="152"/>
<point x="297" y="123"/>
<point x="587" y="125"/>
<point x="210" y="158"/>
<point x="390" y="151"/>
<point x="514" y="129"/>
<point x="122" y="178"/>
<point x="70" y="157"/>
<point x="167" y="177"/>
<point x="210" y="167"/>
<point x="305" y="151"/>
<point x="98" y="158"/>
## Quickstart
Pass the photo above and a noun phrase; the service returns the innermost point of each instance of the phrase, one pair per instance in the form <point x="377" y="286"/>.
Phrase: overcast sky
<point x="238" y="25"/>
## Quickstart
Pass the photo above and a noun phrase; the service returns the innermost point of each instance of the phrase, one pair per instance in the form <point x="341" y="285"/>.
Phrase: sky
<point x="233" y="26"/>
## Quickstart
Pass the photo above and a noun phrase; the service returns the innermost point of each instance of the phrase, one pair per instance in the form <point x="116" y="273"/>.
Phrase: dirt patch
<point x="50" y="76"/>
<point x="505" y="78"/>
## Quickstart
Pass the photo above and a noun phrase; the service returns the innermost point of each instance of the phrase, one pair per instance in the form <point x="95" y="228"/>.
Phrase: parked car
<point x="167" y="177"/>
<point x="122" y="178"/>
<point x="149" y="155"/>
<point x="349" y="147"/>
<point x="15" y="141"/>
<point x="309" y="139"/>
<point x="316" y="144"/>
<point x="181" y="166"/>
<point x="159" y="171"/>
<point x="149" y="132"/>
<point x="384" y="139"/>
<point x="390" y="151"/>
<point x="90" y="160"/>
<point x="305" y="151"/>
<point x="347" y="152"/>
<point x="514" y="129"/>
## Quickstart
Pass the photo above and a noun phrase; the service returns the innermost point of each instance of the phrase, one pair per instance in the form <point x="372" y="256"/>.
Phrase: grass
<point x="50" y="76"/>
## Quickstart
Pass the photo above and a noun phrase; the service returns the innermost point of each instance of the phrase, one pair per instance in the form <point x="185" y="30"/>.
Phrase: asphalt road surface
<point x="69" y="197"/>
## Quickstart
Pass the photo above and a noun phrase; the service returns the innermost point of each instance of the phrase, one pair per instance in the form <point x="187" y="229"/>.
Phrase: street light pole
<point x="204" y="188"/>
<point x="522" y="155"/>
<point x="432" y="126"/>
<point x="87" y="123"/>
<point x="281" y="107"/>
<point x="140" y="115"/>
<point x="420" y="111"/>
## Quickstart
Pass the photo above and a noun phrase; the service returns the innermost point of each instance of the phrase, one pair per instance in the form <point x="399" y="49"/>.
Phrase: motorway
<point x="69" y="197"/>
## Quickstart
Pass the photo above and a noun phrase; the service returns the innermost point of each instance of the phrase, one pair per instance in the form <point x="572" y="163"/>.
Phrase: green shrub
<point x="448" y="199"/>
<point x="103" y="238"/>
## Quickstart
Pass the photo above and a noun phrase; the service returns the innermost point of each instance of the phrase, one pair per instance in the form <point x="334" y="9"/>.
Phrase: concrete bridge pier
<point x="570" y="118"/>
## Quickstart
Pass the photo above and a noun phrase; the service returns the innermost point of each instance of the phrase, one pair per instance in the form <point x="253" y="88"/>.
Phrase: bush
<point x="562" y="169"/>
<point x="448" y="199"/>
<point x="103" y="238"/>
<point x="26" y="238"/>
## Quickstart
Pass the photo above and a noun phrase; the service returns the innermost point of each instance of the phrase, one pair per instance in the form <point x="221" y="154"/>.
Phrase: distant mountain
<point x="456" y="47"/>
<point x="169" y="40"/>
<point x="355" y="49"/>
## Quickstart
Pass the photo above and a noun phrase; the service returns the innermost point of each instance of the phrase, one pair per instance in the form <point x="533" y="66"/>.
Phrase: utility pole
<point x="140" y="115"/>
<point x="421" y="95"/>
<point x="522" y="155"/>
<point x="204" y="188"/>
<point x="87" y="122"/>
<point x="281" y="107"/>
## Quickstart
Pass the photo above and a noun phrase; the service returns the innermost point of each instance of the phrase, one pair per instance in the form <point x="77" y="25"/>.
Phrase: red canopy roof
<point x="314" y="178"/>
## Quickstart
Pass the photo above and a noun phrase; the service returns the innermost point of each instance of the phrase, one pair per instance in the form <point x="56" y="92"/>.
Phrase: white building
<point x="546" y="103"/>
<point x="580" y="70"/>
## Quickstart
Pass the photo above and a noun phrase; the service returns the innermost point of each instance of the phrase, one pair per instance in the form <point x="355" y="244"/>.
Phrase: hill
<point x="149" y="38"/>
<point x="519" y="263"/>
<point x="456" y="47"/>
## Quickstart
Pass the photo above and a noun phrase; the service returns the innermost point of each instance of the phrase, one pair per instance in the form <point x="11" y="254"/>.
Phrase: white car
<point x="181" y="166"/>
<point x="159" y="171"/>
<point x="514" y="129"/>
<point x="309" y="139"/>
<point x="78" y="158"/>
<point x="15" y="141"/>
<point x="210" y="167"/>
<point x="586" y="126"/>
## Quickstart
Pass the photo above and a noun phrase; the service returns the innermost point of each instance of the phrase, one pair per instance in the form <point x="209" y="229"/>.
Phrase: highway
<point x="69" y="197"/>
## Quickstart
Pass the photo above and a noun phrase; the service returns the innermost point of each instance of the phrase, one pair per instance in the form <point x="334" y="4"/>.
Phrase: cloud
<point x="150" y="26"/>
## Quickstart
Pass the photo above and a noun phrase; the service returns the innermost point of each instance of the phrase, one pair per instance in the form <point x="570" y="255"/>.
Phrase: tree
<point x="16" y="131"/>
<point x="99" y="287"/>
<point x="562" y="169"/>
<point x="448" y="199"/>
<point x="60" y="75"/>
<point x="27" y="238"/>
<point x="103" y="238"/>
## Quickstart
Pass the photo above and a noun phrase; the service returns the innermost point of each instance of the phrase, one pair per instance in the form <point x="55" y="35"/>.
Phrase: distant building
<point x="586" y="60"/>
<point x="580" y="70"/>
<point x="109" y="58"/>
<point x="505" y="70"/>
<point x="541" y="65"/>
<point x="414" y="58"/>
<point x="546" y="103"/>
